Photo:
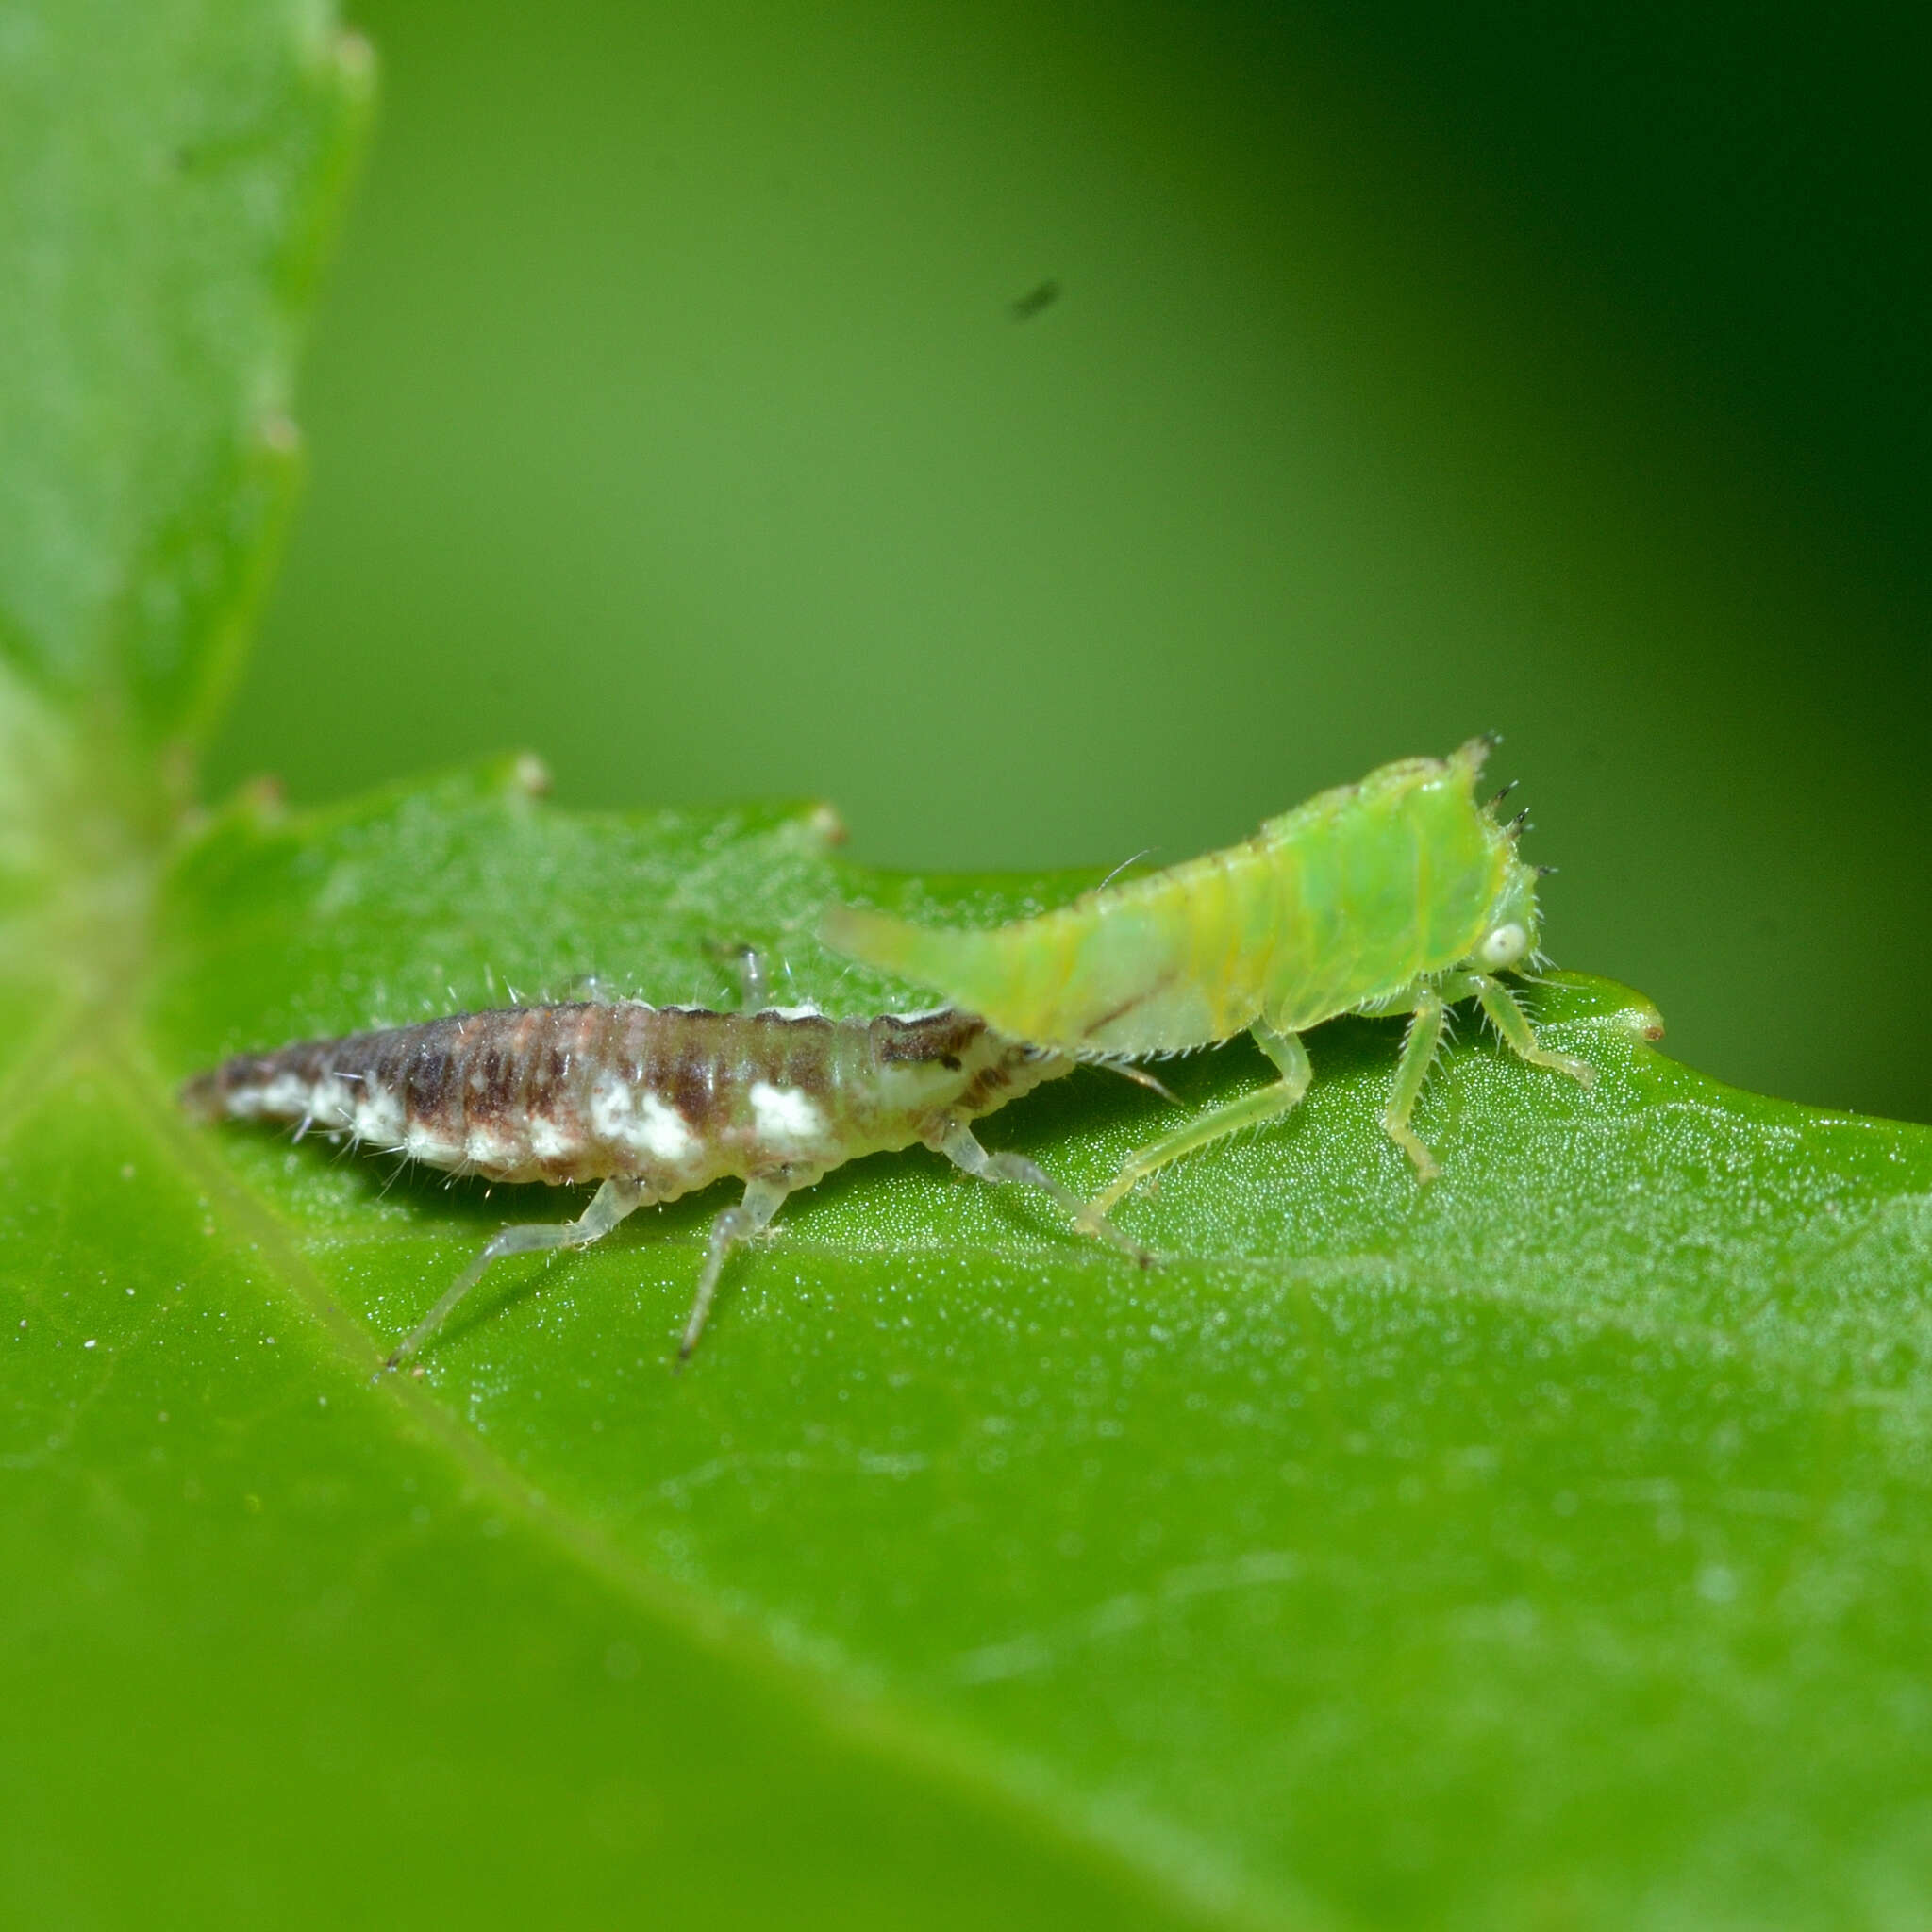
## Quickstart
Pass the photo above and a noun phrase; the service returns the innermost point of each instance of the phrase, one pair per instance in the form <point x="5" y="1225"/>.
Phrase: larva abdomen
<point x="675" y="1097"/>
<point x="654" y="1101"/>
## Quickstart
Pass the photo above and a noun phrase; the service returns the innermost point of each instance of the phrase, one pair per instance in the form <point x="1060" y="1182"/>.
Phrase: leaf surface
<point x="1387" y="1555"/>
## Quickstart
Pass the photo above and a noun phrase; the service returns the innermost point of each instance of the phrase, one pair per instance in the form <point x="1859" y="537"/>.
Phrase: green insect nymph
<point x="1400" y="894"/>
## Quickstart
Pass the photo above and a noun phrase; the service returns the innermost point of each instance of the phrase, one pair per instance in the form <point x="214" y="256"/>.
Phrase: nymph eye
<point x="1504" y="947"/>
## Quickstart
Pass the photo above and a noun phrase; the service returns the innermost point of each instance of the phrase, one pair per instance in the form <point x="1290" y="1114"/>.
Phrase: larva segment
<point x="653" y="1102"/>
<point x="1399" y="894"/>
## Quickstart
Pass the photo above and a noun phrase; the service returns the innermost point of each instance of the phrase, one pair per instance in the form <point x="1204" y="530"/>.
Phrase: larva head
<point x="950" y="1060"/>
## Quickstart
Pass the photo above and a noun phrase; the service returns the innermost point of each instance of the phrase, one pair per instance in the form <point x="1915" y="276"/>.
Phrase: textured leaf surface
<point x="1384" y="1555"/>
<point x="1544" y="1547"/>
<point x="169" y="173"/>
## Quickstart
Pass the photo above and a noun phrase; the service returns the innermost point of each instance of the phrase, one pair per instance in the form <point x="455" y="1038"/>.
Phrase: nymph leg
<point x="1429" y="1017"/>
<point x="1265" y="1104"/>
<point x="1511" y="1021"/>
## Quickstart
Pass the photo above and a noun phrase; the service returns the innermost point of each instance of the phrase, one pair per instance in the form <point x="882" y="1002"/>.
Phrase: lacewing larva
<point x="654" y="1101"/>
<point x="1398" y="894"/>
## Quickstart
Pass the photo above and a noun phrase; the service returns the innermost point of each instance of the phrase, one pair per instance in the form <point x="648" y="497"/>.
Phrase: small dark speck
<point x="1034" y="300"/>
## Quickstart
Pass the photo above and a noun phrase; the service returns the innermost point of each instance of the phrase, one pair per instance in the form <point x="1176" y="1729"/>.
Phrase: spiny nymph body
<point x="1401" y="894"/>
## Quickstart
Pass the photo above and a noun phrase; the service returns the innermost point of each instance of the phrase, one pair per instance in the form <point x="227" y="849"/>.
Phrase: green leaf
<point x="1545" y="1546"/>
<point x="172" y="169"/>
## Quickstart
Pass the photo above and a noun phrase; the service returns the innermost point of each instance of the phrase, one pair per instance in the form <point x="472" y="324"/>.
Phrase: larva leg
<point x="1266" y="1104"/>
<point x="748" y="964"/>
<point x="609" y="1206"/>
<point x="1418" y="1051"/>
<point x="1511" y="1021"/>
<point x="752" y="1215"/>
<point x="963" y="1150"/>
<point x="592" y="988"/>
<point x="751" y="979"/>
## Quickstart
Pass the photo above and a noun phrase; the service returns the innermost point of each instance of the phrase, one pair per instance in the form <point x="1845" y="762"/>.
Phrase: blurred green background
<point x="1414" y="372"/>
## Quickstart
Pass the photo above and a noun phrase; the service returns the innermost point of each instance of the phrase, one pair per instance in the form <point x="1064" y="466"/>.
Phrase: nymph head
<point x="1510" y="935"/>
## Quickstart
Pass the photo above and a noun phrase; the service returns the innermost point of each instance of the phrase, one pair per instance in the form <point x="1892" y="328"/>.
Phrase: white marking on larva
<point x="640" y="1121"/>
<point x="379" y="1117"/>
<point x="784" y="1113"/>
<point x="808" y="1011"/>
<point x="612" y="1108"/>
<point x="493" y="1148"/>
<point x="426" y="1144"/>
<point x="548" y="1141"/>
<point x="332" y="1103"/>
<point x="660" y="1131"/>
<point x="285" y="1094"/>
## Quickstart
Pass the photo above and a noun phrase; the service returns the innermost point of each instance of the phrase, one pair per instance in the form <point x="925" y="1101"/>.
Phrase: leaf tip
<point x="826" y="826"/>
<point x="529" y="776"/>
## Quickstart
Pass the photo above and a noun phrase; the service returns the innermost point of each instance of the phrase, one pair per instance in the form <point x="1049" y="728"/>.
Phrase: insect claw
<point x="1519" y="822"/>
<point x="1502" y="794"/>
<point x="1544" y="872"/>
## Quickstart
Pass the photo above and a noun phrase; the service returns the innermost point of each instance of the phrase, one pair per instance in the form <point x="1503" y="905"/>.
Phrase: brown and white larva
<point x="654" y="1101"/>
